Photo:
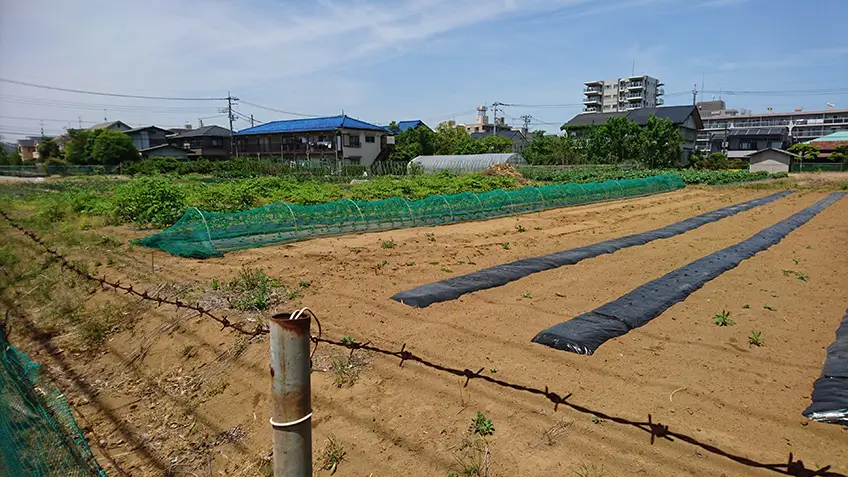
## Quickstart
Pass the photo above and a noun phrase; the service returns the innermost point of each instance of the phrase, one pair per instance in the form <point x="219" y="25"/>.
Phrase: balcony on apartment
<point x="631" y="106"/>
<point x="636" y="96"/>
<point x="592" y="100"/>
<point x="592" y="109"/>
<point x="593" y="90"/>
<point x="594" y="83"/>
<point x="660" y="101"/>
<point x="635" y="85"/>
<point x="660" y="91"/>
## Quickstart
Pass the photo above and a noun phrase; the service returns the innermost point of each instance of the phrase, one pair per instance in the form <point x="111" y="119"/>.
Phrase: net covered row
<point x="38" y="433"/>
<point x="200" y="234"/>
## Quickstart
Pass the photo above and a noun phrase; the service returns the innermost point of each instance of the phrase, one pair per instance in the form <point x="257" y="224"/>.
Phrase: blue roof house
<point x="339" y="139"/>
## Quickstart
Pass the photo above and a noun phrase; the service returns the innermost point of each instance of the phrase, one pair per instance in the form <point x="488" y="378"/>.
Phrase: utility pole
<point x="231" y="116"/>
<point x="42" y="128"/>
<point x="495" y="112"/>
<point x="251" y="121"/>
<point x="695" y="94"/>
<point x="79" y="119"/>
<point x="526" y="118"/>
<point x="104" y="115"/>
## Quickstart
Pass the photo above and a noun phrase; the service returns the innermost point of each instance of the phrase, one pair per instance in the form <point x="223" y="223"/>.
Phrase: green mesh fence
<point x="38" y="434"/>
<point x="200" y="234"/>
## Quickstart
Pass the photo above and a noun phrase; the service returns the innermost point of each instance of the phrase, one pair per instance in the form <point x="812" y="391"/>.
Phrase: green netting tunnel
<point x="200" y="234"/>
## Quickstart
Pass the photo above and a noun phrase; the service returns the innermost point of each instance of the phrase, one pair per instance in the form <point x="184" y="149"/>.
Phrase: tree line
<point x="83" y="147"/>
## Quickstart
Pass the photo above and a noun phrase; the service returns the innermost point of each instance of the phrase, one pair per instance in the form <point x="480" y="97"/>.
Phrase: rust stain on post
<point x="290" y="396"/>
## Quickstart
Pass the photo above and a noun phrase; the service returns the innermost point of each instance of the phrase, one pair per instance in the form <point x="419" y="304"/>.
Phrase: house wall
<point x="770" y="161"/>
<point x="367" y="152"/>
<point x="148" y="138"/>
<point x="167" y="152"/>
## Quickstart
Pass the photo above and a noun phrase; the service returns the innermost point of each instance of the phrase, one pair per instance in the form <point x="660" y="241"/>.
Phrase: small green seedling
<point x="347" y="340"/>
<point x="453" y="474"/>
<point x="505" y="245"/>
<point x="802" y="276"/>
<point x="434" y="263"/>
<point x="597" y="420"/>
<point x="215" y="284"/>
<point x="355" y="250"/>
<point x="796" y="261"/>
<point x="304" y="284"/>
<point x="410" y="264"/>
<point x="431" y="237"/>
<point x="527" y="294"/>
<point x="447" y="270"/>
<point x="723" y="319"/>
<point x="769" y="307"/>
<point x="493" y="370"/>
<point x="482" y="425"/>
<point x="334" y="453"/>
<point x="388" y="244"/>
<point x="520" y="228"/>
<point x="746" y="306"/>
<point x="756" y="338"/>
<point x="537" y="228"/>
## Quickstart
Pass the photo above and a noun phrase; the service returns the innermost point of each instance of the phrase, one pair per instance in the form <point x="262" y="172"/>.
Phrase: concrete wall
<point x="770" y="161"/>
<point x="367" y="151"/>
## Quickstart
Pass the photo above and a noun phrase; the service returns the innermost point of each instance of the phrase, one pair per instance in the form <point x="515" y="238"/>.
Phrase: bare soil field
<point x="169" y="393"/>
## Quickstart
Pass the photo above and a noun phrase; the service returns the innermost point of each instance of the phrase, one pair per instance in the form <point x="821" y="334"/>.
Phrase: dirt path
<point x="745" y="401"/>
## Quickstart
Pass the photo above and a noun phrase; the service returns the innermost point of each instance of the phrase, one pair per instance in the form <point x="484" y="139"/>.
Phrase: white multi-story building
<point x="622" y="94"/>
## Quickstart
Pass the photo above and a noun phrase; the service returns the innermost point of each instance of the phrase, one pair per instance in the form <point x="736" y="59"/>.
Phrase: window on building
<point x="265" y="144"/>
<point x="748" y="145"/>
<point x="352" y="140"/>
<point x="370" y="139"/>
<point x="217" y="142"/>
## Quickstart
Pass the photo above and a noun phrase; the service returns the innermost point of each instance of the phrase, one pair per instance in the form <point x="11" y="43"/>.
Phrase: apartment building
<point x="622" y="94"/>
<point x="720" y="125"/>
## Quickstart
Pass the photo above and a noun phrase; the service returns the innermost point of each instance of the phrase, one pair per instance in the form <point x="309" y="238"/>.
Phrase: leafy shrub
<point x="149" y="200"/>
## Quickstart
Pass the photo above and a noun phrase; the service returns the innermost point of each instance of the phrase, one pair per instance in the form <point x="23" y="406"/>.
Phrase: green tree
<point x="616" y="141"/>
<point x="662" y="143"/>
<point x="547" y="150"/>
<point x="393" y="128"/>
<point x="496" y="144"/>
<point x="411" y="143"/>
<point x="48" y="148"/>
<point x="112" y="148"/>
<point x="840" y="155"/>
<point x="807" y="152"/>
<point x="451" y="140"/>
<point x="77" y="148"/>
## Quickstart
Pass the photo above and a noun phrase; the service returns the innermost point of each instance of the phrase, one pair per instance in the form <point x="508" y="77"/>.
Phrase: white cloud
<point x="205" y="47"/>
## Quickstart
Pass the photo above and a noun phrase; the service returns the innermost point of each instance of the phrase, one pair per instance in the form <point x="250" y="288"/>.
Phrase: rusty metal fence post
<point x="291" y="414"/>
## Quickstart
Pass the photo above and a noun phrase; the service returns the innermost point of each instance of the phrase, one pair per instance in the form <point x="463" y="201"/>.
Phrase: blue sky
<point x="404" y="59"/>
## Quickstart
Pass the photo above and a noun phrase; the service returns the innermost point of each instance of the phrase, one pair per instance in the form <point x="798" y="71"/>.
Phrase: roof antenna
<point x="633" y="70"/>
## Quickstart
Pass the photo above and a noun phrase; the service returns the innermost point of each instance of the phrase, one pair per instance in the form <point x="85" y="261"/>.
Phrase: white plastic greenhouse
<point x="465" y="163"/>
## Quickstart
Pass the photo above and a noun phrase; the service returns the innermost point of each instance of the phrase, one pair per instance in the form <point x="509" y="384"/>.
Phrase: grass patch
<point x="756" y="338"/>
<point x="481" y="425"/>
<point x="388" y="244"/>
<point x="723" y="319"/>
<point x="346" y="368"/>
<point x="333" y="454"/>
<point x="251" y="290"/>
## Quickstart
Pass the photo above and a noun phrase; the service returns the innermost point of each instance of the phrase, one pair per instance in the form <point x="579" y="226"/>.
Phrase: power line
<point x="100" y="93"/>
<point x="45" y="119"/>
<point x="290" y="113"/>
<point x="99" y="106"/>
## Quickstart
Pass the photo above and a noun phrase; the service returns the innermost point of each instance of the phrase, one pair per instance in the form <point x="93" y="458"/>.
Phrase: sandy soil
<point x="177" y="395"/>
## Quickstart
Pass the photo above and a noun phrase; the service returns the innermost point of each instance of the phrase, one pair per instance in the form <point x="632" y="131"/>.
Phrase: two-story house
<point x="208" y="142"/>
<point x="340" y="140"/>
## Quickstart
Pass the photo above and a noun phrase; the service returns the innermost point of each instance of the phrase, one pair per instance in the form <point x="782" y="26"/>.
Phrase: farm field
<point x="159" y="390"/>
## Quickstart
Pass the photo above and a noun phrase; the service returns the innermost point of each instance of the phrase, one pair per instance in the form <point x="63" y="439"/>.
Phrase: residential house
<point x="163" y="150"/>
<point x="113" y="125"/>
<point x="771" y="160"/>
<point x="686" y="118"/>
<point x="411" y="124"/>
<point x="148" y="136"/>
<point x="742" y="142"/>
<point x="827" y="144"/>
<point x="208" y="142"/>
<point x="341" y="140"/>
<point x="28" y="148"/>
<point x="518" y="138"/>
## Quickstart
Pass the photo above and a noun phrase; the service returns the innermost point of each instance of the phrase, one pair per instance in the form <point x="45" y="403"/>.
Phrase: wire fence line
<point x="656" y="430"/>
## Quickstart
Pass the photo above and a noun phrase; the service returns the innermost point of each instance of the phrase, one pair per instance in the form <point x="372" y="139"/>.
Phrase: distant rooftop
<point x="212" y="130"/>
<point x="331" y="123"/>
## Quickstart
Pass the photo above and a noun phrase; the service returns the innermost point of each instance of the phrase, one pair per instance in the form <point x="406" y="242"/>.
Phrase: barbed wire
<point x="656" y="430"/>
<point x="246" y="328"/>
